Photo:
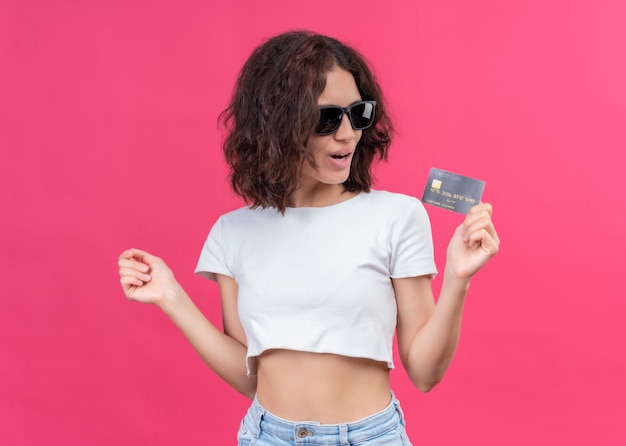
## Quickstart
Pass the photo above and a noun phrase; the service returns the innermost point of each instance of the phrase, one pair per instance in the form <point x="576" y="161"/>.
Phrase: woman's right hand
<point x="146" y="278"/>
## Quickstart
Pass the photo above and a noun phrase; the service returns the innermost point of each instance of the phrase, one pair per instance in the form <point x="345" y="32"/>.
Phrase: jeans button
<point x="302" y="432"/>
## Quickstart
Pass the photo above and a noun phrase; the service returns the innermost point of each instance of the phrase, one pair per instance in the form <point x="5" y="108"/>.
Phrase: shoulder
<point x="398" y="212"/>
<point x="392" y="201"/>
<point x="247" y="217"/>
<point x="247" y="214"/>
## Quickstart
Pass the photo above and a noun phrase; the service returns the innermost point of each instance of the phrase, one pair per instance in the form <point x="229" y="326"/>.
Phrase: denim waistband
<point x="309" y="432"/>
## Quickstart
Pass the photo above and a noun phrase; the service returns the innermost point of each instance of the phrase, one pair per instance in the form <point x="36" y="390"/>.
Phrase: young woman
<point x="319" y="271"/>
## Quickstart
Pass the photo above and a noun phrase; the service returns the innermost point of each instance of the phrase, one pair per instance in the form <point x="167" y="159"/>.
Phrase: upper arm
<point x="230" y="314"/>
<point x="415" y="302"/>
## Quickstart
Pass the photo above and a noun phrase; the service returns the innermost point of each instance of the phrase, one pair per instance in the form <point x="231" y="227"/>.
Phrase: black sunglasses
<point x="361" y="115"/>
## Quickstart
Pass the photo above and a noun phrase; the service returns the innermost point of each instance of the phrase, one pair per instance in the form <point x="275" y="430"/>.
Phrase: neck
<point x="320" y="195"/>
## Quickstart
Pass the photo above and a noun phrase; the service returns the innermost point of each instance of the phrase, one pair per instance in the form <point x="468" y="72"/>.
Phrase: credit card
<point x="452" y="191"/>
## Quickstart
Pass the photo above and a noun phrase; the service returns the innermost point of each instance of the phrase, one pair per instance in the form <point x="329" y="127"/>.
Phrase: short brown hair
<point x="274" y="111"/>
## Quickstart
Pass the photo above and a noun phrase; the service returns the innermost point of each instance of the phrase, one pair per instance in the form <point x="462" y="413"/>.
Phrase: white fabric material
<point x="318" y="279"/>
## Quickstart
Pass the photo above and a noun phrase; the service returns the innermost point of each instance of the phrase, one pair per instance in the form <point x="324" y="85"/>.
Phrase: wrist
<point x="172" y="299"/>
<point x="455" y="282"/>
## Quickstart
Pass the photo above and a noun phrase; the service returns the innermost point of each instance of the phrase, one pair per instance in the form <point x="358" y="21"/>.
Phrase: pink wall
<point x="108" y="139"/>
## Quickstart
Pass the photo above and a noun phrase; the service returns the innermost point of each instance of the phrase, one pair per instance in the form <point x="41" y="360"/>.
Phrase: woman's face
<point x="333" y="153"/>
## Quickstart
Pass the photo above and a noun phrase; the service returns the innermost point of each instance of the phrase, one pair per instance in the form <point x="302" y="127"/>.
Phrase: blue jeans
<point x="260" y="428"/>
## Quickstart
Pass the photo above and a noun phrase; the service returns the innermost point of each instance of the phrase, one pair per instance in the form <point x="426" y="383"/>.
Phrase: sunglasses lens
<point x="330" y="120"/>
<point x="362" y="115"/>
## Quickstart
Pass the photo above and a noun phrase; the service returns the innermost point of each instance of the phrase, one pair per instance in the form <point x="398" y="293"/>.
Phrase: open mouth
<point x="340" y="157"/>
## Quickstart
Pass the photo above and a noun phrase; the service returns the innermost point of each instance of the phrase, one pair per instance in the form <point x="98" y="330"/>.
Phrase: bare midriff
<point x="326" y="388"/>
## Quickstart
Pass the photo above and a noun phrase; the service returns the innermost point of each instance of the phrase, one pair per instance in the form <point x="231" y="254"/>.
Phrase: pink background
<point x="109" y="140"/>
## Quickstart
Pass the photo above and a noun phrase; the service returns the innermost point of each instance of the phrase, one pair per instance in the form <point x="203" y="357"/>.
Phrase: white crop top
<point x="317" y="279"/>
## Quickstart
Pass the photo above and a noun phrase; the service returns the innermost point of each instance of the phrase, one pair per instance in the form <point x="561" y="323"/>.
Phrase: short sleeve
<point x="412" y="252"/>
<point x="213" y="259"/>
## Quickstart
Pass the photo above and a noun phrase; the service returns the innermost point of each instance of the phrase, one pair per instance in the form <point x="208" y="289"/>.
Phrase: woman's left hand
<point x="474" y="242"/>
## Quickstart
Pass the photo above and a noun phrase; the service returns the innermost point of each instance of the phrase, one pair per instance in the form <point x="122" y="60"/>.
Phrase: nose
<point x="345" y="130"/>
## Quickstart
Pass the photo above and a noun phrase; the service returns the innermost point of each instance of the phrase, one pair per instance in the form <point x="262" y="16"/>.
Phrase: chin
<point x="340" y="180"/>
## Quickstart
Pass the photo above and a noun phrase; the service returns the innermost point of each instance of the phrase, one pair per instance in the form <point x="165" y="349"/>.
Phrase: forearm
<point x="435" y="344"/>
<point x="223" y="354"/>
<point x="428" y="333"/>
